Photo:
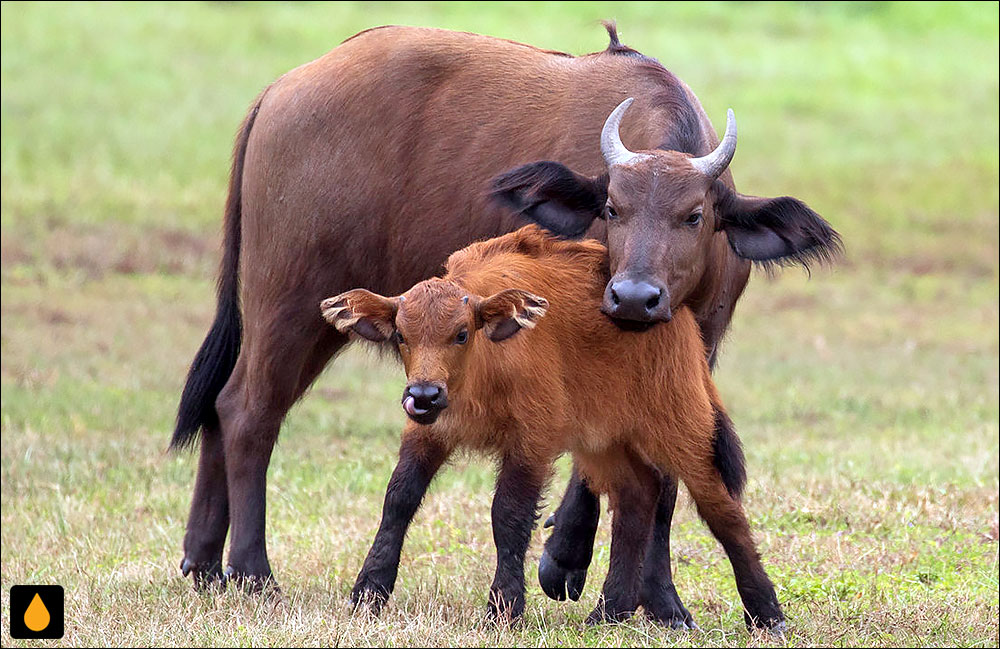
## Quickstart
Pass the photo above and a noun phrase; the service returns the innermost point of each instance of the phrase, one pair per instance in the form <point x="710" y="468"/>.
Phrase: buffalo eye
<point x="610" y="212"/>
<point x="399" y="338"/>
<point x="462" y="337"/>
<point x="693" y="219"/>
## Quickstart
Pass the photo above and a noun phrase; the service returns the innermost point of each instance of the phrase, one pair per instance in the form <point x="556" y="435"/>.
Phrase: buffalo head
<point x="663" y="210"/>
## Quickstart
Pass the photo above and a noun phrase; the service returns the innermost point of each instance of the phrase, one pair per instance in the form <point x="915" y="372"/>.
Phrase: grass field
<point x="866" y="395"/>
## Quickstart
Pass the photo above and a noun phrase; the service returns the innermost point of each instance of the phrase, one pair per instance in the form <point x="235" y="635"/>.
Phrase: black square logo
<point x="36" y="612"/>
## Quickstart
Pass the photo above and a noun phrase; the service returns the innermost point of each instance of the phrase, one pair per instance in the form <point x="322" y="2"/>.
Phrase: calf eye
<point x="399" y="338"/>
<point x="612" y="214"/>
<point x="693" y="219"/>
<point x="462" y="337"/>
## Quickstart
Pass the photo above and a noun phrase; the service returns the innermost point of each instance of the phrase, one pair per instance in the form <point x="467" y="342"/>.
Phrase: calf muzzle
<point x="424" y="401"/>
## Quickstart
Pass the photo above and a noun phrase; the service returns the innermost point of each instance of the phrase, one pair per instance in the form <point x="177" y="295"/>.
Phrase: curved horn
<point x="612" y="148"/>
<point x="713" y="164"/>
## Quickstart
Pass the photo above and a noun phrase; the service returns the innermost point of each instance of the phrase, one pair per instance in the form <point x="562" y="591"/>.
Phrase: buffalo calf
<point x="509" y="354"/>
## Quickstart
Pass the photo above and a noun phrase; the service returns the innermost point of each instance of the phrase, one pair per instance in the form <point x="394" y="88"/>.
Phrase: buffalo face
<point x="662" y="210"/>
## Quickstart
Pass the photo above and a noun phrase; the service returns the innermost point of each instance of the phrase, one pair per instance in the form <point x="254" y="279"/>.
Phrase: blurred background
<point x="866" y="395"/>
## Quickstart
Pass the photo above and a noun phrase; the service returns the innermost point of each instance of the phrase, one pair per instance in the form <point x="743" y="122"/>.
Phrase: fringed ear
<point x="504" y="314"/>
<point x="553" y="196"/>
<point x="370" y="316"/>
<point x="769" y="231"/>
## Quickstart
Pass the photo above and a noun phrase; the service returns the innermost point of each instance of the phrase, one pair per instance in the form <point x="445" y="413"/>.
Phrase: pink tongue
<point x="410" y="407"/>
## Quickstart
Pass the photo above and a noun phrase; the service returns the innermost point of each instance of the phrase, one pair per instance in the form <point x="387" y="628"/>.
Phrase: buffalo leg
<point x="273" y="370"/>
<point x="658" y="595"/>
<point x="419" y="459"/>
<point x="562" y="570"/>
<point x="515" y="509"/>
<point x="208" y="522"/>
<point x="724" y="516"/>
<point x="634" y="505"/>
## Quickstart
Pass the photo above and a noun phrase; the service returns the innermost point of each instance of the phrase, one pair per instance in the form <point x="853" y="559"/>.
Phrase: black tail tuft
<point x="728" y="455"/>
<point x="217" y="357"/>
<point x="208" y="375"/>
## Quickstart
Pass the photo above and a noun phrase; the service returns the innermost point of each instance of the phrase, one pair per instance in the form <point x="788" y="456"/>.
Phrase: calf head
<point x="663" y="209"/>
<point x="434" y="326"/>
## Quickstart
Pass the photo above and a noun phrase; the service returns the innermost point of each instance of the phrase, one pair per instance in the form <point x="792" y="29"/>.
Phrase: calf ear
<point x="551" y="195"/>
<point x="774" y="230"/>
<point x="505" y="313"/>
<point x="369" y="315"/>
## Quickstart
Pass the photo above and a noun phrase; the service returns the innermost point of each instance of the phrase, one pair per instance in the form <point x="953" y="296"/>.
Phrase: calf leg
<point x="515" y="509"/>
<point x="419" y="460"/>
<point x="728" y="523"/>
<point x="658" y="595"/>
<point x="562" y="570"/>
<point x="208" y="521"/>
<point x="634" y="504"/>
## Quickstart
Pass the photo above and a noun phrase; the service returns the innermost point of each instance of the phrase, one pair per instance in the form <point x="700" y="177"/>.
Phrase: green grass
<point x="866" y="396"/>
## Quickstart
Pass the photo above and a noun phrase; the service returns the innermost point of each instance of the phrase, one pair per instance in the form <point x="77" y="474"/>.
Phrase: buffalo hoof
<point x="779" y="629"/>
<point x="665" y="608"/>
<point x="503" y="613"/>
<point x="368" y="596"/>
<point x="676" y="621"/>
<point x="250" y="583"/>
<point x="604" y="614"/>
<point x="558" y="581"/>
<point x="205" y="574"/>
<point x="774" y="627"/>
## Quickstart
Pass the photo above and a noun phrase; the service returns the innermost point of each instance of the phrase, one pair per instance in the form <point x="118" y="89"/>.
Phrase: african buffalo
<point x="504" y="355"/>
<point x="370" y="165"/>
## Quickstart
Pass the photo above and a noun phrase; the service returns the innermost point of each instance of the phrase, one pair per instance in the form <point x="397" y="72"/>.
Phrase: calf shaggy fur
<point x="509" y="354"/>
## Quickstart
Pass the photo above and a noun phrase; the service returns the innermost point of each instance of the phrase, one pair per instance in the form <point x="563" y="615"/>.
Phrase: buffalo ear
<point x="551" y="195"/>
<point x="369" y="315"/>
<point x="505" y="313"/>
<point x="779" y="231"/>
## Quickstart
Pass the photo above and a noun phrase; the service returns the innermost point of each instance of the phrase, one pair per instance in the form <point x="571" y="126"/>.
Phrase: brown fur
<point x="623" y="404"/>
<point x="574" y="383"/>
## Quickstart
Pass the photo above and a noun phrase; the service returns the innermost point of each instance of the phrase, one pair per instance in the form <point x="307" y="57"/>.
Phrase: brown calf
<point x="630" y="407"/>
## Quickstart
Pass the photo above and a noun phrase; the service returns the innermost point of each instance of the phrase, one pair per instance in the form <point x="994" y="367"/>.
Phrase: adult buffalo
<point x="369" y="166"/>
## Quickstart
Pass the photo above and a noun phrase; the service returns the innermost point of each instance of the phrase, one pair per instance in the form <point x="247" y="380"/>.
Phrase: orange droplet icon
<point x="36" y="617"/>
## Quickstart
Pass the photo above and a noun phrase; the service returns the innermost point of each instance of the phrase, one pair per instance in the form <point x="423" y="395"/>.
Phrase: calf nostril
<point x="653" y="301"/>
<point x="425" y="396"/>
<point x="615" y="298"/>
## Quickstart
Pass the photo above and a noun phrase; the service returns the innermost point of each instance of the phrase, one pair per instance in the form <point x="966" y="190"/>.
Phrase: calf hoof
<point x="665" y="608"/>
<point x="205" y="574"/>
<point x="368" y="596"/>
<point x="604" y="614"/>
<point x="249" y="582"/>
<point x="774" y="625"/>
<point x="673" y="620"/>
<point x="504" y="613"/>
<point x="558" y="581"/>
